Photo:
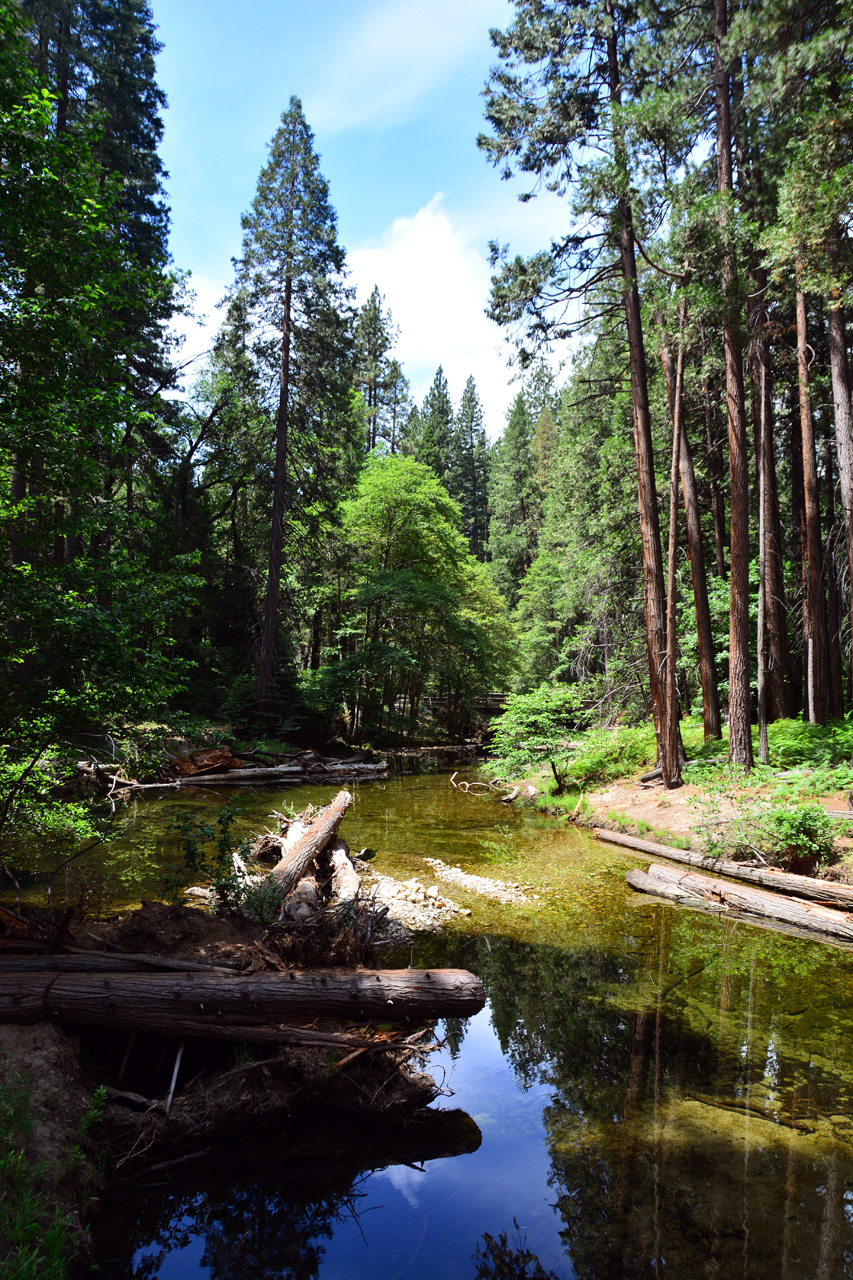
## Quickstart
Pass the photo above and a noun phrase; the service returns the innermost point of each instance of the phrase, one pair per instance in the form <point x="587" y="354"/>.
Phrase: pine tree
<point x="543" y="446"/>
<point x="515" y="505"/>
<point x="436" y="423"/>
<point x="374" y="337"/>
<point x="468" y="472"/>
<point x="395" y="406"/>
<point x="411" y="432"/>
<point x="290" y="273"/>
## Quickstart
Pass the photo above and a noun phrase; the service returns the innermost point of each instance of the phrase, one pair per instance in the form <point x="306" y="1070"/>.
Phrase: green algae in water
<point x="659" y="1092"/>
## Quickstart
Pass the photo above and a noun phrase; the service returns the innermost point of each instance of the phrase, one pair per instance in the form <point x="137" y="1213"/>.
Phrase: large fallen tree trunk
<point x="813" y="917"/>
<point x="161" y="1001"/>
<point x="296" y="860"/>
<point x="840" y="895"/>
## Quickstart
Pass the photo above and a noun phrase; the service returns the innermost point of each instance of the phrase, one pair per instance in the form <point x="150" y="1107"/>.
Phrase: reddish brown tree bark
<point x="740" y="737"/>
<point x="696" y="553"/>
<point x="814" y="637"/>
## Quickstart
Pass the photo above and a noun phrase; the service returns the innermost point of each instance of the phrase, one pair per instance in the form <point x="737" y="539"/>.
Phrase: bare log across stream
<point x="839" y="895"/>
<point x="687" y="887"/>
<point x="296" y="860"/>
<point x="200" y="1004"/>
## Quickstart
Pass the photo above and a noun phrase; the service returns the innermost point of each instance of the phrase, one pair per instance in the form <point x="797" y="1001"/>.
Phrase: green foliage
<point x="36" y="1238"/>
<point x="545" y="726"/>
<point x="212" y="856"/>
<point x="261" y="902"/>
<point x="416" y="615"/>
<point x="515" y="504"/>
<point x="536" y="727"/>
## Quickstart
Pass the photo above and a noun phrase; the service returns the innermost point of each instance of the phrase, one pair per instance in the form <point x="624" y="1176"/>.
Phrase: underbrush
<point x="547" y="730"/>
<point x="796" y="837"/>
<point x="38" y="1240"/>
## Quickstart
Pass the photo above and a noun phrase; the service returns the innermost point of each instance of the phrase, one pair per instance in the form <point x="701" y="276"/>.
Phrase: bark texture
<point x="159" y="1001"/>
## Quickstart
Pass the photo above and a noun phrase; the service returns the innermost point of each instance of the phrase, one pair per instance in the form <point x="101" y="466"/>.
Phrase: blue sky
<point x="391" y="89"/>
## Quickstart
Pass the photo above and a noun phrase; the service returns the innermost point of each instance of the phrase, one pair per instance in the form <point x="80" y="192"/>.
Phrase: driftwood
<point x="840" y="895"/>
<point x="296" y="860"/>
<point x="758" y="902"/>
<point x="198" y="1004"/>
<point x="345" y="878"/>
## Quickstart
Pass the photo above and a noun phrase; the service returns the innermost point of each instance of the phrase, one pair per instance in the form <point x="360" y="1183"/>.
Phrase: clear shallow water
<point x="657" y="1093"/>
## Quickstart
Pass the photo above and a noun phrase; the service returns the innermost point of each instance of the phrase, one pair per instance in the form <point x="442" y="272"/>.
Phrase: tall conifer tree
<point x="469" y="469"/>
<point x="515" y="505"/>
<point x="436" y="423"/>
<point x="290" y="274"/>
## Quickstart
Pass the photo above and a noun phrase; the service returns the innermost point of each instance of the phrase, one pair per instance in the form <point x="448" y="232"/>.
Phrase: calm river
<point x="657" y="1093"/>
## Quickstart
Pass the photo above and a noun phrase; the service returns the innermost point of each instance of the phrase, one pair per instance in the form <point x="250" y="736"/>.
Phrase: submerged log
<point x="296" y="860"/>
<point x="163" y="1001"/>
<point x="840" y="895"/>
<point x="813" y="917"/>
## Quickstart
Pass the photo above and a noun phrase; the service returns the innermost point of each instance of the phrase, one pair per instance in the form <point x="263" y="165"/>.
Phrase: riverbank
<point x="606" y="778"/>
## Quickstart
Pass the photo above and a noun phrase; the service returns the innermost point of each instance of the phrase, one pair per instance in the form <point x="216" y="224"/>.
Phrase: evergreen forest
<point x="284" y="540"/>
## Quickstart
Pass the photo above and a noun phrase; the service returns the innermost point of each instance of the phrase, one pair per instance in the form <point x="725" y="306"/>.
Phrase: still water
<point x="650" y="1092"/>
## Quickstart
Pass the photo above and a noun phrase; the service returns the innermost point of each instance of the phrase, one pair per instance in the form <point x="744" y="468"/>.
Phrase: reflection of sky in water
<point x="426" y="1222"/>
<point x="427" y="1225"/>
<point x="178" y="1262"/>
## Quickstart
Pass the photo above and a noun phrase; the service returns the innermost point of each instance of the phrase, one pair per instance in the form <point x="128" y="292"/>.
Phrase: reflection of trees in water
<point x="692" y="1085"/>
<point x="505" y="1259"/>
<point x="264" y="1201"/>
<point x="251" y="1231"/>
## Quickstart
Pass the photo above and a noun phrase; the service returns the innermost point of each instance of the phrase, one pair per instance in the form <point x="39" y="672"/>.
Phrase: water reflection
<point x="659" y="1093"/>
<point x="698" y="1122"/>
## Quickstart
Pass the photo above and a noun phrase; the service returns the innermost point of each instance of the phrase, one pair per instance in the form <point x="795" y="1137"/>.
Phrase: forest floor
<point x="683" y="812"/>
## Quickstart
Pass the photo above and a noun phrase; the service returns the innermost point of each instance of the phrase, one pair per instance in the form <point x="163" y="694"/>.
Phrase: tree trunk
<point x="780" y="689"/>
<point x="740" y="737"/>
<point x="671" y="735"/>
<point x="266" y="661"/>
<point x="835" y="662"/>
<point x="696" y="554"/>
<point x="755" y="902"/>
<point x="653" y="578"/>
<point x="808" y="887"/>
<point x="715" y="477"/>
<point x="840" y="371"/>
<point x="814" y="638"/>
<point x="159" y="1001"/>
<point x="295" y="862"/>
<point x="763" y="744"/>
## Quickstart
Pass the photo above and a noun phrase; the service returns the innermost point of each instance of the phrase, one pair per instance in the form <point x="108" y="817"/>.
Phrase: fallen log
<point x="105" y="962"/>
<point x="840" y="895"/>
<point x="296" y="860"/>
<point x="200" y="1004"/>
<point x="753" y="902"/>
<point x="345" y="878"/>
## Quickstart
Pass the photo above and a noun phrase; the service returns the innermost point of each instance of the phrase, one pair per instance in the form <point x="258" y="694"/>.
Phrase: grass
<point x="37" y="1238"/>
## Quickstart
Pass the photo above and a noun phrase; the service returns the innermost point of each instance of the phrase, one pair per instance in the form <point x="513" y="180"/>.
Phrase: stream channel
<point x="657" y="1092"/>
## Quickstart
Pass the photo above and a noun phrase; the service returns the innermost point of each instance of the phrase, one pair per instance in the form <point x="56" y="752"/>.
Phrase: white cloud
<point x="400" y="51"/>
<point x="435" y="280"/>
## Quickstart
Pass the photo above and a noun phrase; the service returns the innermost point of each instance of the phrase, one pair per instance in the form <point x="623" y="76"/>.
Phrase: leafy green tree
<point x="562" y="95"/>
<point x="374" y="336"/>
<point x="420" y="617"/>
